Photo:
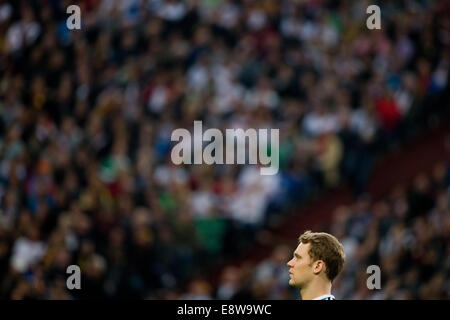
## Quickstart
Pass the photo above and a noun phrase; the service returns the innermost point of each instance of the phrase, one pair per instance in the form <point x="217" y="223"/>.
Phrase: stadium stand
<point x="86" y="117"/>
<point x="406" y="234"/>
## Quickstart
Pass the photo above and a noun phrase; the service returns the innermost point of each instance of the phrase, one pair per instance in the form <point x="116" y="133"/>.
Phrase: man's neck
<point x="314" y="290"/>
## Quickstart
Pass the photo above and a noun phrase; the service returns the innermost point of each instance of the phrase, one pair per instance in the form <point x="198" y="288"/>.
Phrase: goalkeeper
<point x="318" y="259"/>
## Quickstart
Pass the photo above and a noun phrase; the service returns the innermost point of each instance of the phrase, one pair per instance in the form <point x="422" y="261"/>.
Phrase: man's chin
<point x="292" y="283"/>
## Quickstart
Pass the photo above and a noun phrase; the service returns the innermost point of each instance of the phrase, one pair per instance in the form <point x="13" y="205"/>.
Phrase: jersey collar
<point x="325" y="297"/>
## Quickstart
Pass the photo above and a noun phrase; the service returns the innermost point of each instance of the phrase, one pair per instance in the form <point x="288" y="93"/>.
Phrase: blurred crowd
<point x="86" y="118"/>
<point x="406" y="234"/>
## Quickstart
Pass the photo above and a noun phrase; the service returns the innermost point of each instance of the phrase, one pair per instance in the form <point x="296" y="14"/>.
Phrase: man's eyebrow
<point x="297" y="255"/>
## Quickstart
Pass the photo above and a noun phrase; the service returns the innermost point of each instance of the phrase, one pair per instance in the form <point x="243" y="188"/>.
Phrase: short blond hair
<point x="325" y="247"/>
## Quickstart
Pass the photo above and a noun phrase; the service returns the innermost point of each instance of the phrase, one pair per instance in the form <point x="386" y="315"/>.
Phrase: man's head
<point x="318" y="254"/>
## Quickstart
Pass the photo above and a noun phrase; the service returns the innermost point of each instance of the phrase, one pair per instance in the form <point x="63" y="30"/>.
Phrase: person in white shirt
<point x="317" y="260"/>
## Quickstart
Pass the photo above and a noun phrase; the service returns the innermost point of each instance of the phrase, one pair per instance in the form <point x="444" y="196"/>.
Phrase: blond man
<point x="316" y="262"/>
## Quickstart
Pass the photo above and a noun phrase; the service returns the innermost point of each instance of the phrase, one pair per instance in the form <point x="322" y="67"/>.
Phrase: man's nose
<point x="289" y="263"/>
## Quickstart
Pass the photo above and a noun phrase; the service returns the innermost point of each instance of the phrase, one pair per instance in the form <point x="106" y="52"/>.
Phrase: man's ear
<point x="319" y="266"/>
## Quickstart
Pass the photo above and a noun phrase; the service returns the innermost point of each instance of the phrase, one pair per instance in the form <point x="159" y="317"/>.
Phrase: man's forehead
<point x="301" y="247"/>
